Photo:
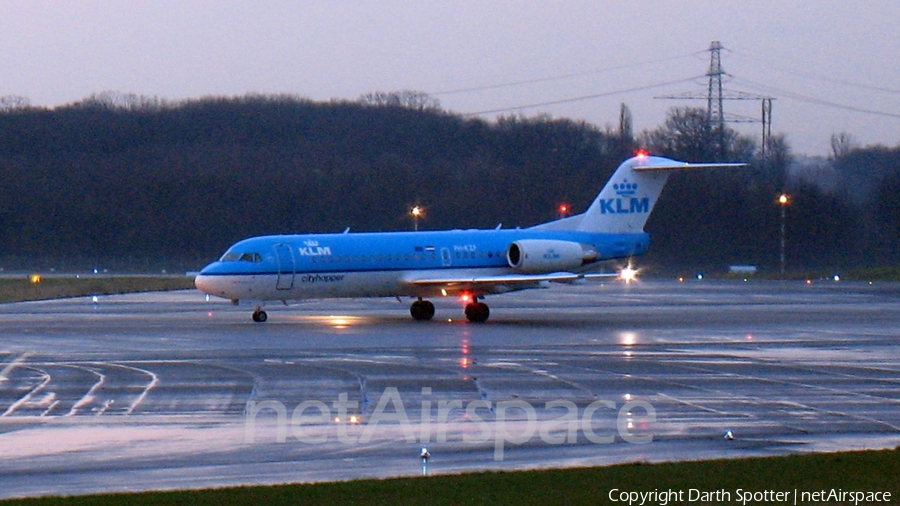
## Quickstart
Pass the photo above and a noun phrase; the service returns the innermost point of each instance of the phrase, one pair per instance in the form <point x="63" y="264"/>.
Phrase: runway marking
<point x="762" y="400"/>
<point x="518" y="367"/>
<point x="576" y="386"/>
<point x="16" y="405"/>
<point x="843" y="414"/>
<point x="89" y="396"/>
<point x="802" y="385"/>
<point x="9" y="367"/>
<point x="699" y="406"/>
<point x="50" y="408"/>
<point x="154" y="380"/>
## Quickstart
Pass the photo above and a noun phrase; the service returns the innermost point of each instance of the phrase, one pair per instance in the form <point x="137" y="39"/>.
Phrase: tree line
<point x="131" y="183"/>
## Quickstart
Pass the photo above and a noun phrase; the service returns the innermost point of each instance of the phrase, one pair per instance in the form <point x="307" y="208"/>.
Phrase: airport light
<point x="628" y="274"/>
<point x="424" y="454"/>
<point x="783" y="201"/>
<point x="416" y="212"/>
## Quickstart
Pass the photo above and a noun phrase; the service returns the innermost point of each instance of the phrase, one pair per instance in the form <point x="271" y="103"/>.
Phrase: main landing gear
<point x="422" y="310"/>
<point x="259" y="316"/>
<point x="476" y="312"/>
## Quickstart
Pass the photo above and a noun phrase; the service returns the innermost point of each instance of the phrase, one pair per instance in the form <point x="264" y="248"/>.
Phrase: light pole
<point x="783" y="201"/>
<point x="416" y="213"/>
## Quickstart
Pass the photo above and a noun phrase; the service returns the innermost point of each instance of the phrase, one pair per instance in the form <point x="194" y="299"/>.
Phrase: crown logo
<point x="625" y="188"/>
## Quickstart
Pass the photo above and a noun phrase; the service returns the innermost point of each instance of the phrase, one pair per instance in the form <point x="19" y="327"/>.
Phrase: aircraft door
<point x="284" y="255"/>
<point x="445" y="257"/>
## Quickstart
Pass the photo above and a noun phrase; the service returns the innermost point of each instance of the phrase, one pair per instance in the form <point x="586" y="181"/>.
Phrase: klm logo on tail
<point x="619" y="206"/>
<point x="626" y="201"/>
<point x="622" y="206"/>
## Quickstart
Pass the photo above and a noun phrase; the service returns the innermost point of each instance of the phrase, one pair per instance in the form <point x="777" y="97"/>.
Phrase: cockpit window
<point x="236" y="256"/>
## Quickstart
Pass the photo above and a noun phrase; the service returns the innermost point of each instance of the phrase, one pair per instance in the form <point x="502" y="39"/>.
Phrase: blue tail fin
<point x="626" y="201"/>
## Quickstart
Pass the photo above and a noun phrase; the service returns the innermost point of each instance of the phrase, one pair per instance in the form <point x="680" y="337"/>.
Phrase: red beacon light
<point x="642" y="153"/>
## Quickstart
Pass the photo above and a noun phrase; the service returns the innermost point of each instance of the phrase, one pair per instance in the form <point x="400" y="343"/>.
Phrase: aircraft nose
<point x="202" y="283"/>
<point x="212" y="285"/>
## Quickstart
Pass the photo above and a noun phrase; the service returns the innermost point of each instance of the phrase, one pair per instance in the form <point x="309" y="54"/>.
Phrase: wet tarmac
<point x="170" y="390"/>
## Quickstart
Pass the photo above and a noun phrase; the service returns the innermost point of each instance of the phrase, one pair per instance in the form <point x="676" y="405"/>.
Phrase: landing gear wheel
<point x="477" y="312"/>
<point x="259" y="316"/>
<point x="422" y="310"/>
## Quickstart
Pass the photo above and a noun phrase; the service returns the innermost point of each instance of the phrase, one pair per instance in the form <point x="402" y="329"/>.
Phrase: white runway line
<point x="50" y="408"/>
<point x="89" y="396"/>
<point x="27" y="397"/>
<point x="9" y="367"/>
<point x="154" y="380"/>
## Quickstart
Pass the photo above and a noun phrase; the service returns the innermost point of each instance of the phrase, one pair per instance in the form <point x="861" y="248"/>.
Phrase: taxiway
<point x="170" y="390"/>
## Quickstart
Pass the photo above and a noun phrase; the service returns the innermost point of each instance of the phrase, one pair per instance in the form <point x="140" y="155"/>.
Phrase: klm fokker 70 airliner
<point x="465" y="263"/>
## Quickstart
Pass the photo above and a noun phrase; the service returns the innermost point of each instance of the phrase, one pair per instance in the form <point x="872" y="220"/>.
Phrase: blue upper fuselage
<point x="396" y="251"/>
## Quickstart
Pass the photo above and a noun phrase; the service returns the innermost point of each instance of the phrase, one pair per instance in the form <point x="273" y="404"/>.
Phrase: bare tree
<point x="842" y="144"/>
<point x="409" y="99"/>
<point x="13" y="102"/>
<point x="127" y="101"/>
<point x="626" y="133"/>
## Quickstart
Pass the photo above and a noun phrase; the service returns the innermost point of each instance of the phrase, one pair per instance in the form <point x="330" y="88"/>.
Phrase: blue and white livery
<point x="469" y="263"/>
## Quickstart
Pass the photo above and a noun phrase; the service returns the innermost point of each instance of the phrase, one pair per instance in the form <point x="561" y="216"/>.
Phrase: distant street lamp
<point x="783" y="201"/>
<point x="416" y="213"/>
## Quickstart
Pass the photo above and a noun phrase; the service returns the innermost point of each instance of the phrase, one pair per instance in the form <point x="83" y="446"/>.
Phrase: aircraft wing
<point x="596" y="275"/>
<point x="492" y="284"/>
<point x="503" y="282"/>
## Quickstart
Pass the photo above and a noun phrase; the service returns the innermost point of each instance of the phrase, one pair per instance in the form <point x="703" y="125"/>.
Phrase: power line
<point x="818" y="101"/>
<point x="818" y="77"/>
<point x="560" y="77"/>
<point x="581" y="98"/>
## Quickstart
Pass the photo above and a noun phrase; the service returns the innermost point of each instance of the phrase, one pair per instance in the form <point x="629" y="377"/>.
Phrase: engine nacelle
<point x="542" y="255"/>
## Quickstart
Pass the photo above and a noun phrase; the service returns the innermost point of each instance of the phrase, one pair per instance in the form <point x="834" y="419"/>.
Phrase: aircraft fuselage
<point x="288" y="267"/>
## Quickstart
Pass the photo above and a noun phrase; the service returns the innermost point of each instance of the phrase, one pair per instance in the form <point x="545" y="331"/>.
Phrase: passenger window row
<point x="373" y="258"/>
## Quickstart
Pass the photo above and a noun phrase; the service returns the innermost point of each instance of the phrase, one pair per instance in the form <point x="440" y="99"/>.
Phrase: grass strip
<point x="19" y="289"/>
<point x="867" y="274"/>
<point x="866" y="472"/>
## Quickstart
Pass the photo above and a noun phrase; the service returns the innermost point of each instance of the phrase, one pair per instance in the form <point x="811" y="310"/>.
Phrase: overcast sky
<point x="832" y="66"/>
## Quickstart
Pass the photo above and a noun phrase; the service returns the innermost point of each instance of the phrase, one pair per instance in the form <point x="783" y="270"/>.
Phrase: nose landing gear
<point x="260" y="316"/>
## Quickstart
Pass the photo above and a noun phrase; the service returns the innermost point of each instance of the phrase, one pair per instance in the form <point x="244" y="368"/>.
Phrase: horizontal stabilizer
<point x="687" y="166"/>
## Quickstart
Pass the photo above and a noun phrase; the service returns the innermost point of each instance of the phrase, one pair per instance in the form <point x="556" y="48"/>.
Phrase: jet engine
<point x="542" y="256"/>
